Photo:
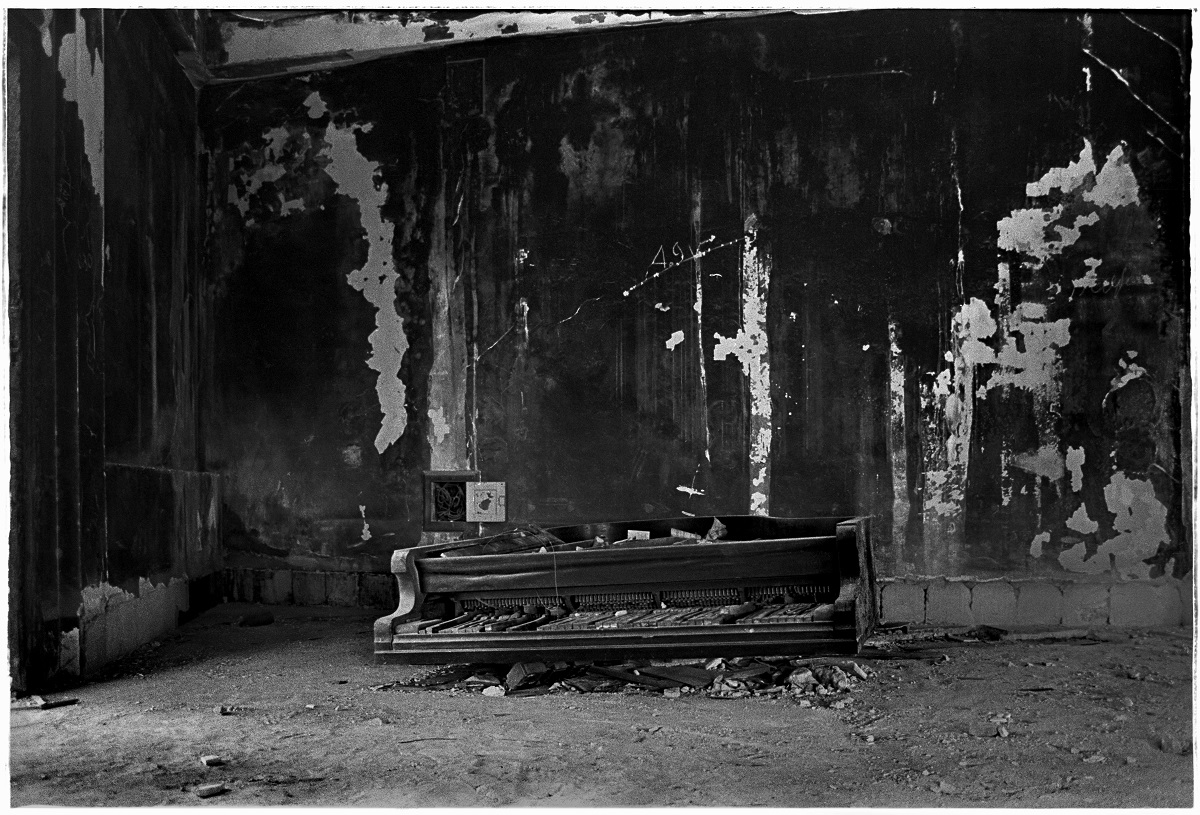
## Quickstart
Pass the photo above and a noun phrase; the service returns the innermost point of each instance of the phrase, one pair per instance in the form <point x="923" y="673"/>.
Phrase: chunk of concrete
<point x="948" y="603"/>
<point x="209" y="790"/>
<point x="903" y="602"/>
<point x="994" y="603"/>
<point x="1039" y="604"/>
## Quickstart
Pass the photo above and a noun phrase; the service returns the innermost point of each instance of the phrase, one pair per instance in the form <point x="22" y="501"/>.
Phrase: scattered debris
<point x="225" y="710"/>
<point x="986" y="633"/>
<point x="828" y="679"/>
<point x="212" y="761"/>
<point x="209" y="790"/>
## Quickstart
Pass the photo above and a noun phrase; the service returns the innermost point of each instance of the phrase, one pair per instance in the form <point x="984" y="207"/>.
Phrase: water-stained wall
<point x="112" y="514"/>
<point x="919" y="265"/>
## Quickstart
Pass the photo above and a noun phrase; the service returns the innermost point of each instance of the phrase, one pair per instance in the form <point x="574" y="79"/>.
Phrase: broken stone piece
<point x="47" y="704"/>
<point x="209" y="790"/>
<point x="493" y="690"/>
<point x="801" y="678"/>
<point x="524" y="673"/>
<point x="224" y="710"/>
<point x="832" y="677"/>
<point x="212" y="761"/>
<point x="717" y="531"/>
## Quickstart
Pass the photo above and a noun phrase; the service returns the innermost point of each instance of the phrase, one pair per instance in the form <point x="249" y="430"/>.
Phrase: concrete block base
<point x="948" y="603"/>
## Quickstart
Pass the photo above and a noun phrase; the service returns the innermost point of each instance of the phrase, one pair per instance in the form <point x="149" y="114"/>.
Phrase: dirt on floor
<point x="1104" y="720"/>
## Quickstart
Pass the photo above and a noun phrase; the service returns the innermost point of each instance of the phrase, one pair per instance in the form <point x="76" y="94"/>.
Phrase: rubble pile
<point x="823" y="682"/>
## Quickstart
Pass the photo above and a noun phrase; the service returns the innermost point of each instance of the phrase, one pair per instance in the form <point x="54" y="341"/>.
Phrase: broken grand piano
<point x="739" y="585"/>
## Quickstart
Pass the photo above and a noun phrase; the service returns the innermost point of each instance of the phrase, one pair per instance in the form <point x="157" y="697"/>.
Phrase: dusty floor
<point x="1086" y="722"/>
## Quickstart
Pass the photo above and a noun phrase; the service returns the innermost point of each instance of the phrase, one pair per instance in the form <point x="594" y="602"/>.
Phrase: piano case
<point x="769" y="586"/>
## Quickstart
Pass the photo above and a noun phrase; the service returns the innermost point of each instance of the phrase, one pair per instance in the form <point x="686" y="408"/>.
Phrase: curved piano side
<point x="411" y="596"/>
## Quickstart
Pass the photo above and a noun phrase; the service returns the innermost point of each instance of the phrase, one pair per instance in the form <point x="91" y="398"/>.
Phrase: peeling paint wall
<point x="821" y="266"/>
<point x="109" y="318"/>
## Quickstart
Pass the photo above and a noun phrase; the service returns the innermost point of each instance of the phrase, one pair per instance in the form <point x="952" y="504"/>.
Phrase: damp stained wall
<point x="925" y="266"/>
<point x="112" y="513"/>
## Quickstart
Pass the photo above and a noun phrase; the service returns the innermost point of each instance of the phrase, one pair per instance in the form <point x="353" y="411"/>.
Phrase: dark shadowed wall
<point x="925" y="266"/>
<point x="112" y="514"/>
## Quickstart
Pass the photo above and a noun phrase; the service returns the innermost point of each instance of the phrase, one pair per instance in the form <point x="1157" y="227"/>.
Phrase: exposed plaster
<point x="901" y="506"/>
<point x="439" y="427"/>
<point x="1128" y="372"/>
<point x="1046" y="462"/>
<point x="675" y="340"/>
<point x="1081" y="522"/>
<point x="355" y="177"/>
<point x="751" y="348"/>
<point x="1039" y="540"/>
<point x="83" y="83"/>
<point x="44" y="28"/>
<point x="1090" y="279"/>
<point x="366" y="530"/>
<point x="1074" y="463"/>
<point x="1022" y="345"/>
<point x="1141" y="525"/>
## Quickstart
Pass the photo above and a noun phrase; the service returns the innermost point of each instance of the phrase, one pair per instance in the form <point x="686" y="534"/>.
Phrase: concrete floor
<point x="309" y="730"/>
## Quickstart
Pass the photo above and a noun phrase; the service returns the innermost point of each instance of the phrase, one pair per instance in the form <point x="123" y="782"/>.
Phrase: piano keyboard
<point x="541" y="619"/>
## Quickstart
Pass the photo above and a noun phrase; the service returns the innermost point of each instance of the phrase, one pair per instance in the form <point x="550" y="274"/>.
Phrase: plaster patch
<point x="1039" y="540"/>
<point x="352" y="455"/>
<point x="675" y="340"/>
<point x="1066" y="178"/>
<point x="355" y="178"/>
<point x="1047" y="462"/>
<point x="83" y="84"/>
<point x="1129" y="372"/>
<point x="1140" y="523"/>
<point x="689" y="490"/>
<point x="1090" y="279"/>
<point x="1081" y="522"/>
<point x="1074" y="463"/>
<point x="751" y="349"/>
<point x="901" y="506"/>
<point x="315" y="105"/>
<point x="439" y="426"/>
<point x="1116" y="185"/>
<point x="366" y="530"/>
<point x="1037" y="367"/>
<point x="44" y="28"/>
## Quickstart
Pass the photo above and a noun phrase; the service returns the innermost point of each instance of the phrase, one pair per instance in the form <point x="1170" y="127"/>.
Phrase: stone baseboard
<point x="308" y="588"/>
<point x="1165" y="602"/>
